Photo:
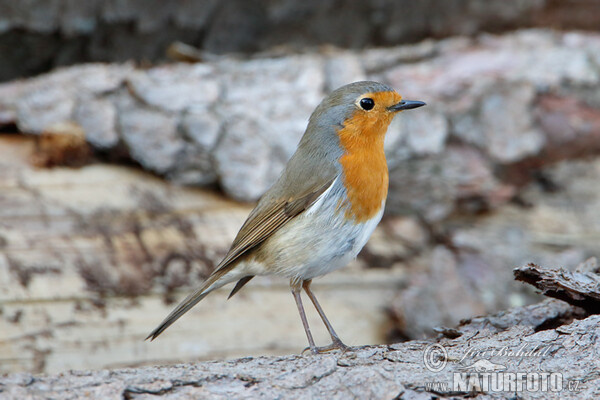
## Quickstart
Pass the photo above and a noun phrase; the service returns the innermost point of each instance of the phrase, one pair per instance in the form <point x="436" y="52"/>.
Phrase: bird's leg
<point x="296" y="287"/>
<point x="336" y="341"/>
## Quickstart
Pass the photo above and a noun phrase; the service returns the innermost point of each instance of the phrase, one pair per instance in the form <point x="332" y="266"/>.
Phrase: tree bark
<point x="579" y="288"/>
<point x="551" y="337"/>
<point x="44" y="34"/>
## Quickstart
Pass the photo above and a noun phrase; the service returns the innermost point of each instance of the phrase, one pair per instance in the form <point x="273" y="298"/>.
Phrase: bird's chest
<point x="365" y="178"/>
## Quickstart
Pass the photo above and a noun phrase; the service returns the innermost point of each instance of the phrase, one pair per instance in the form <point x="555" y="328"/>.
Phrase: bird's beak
<point x="406" y="105"/>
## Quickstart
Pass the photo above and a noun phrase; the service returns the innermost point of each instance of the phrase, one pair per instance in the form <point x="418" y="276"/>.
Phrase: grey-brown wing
<point x="267" y="218"/>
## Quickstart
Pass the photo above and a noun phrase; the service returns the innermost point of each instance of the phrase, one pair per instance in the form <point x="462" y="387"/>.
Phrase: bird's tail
<point x="212" y="283"/>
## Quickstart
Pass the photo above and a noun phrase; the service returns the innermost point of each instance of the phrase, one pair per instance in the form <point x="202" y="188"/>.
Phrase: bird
<point x="322" y="209"/>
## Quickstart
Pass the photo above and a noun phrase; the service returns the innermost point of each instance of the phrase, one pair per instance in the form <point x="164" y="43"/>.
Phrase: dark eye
<point x="367" y="103"/>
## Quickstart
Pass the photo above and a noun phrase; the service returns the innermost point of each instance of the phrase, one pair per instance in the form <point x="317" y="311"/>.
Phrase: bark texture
<point x="545" y="337"/>
<point x="37" y="35"/>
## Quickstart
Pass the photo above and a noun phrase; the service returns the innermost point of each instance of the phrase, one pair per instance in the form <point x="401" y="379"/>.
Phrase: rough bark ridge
<point x="543" y="338"/>
<point x="579" y="288"/>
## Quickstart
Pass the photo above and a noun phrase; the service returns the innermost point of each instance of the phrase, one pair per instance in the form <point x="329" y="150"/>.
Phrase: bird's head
<point x="362" y="109"/>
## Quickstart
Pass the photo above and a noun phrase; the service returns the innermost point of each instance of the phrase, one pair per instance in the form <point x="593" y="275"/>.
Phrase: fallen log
<point x="518" y="345"/>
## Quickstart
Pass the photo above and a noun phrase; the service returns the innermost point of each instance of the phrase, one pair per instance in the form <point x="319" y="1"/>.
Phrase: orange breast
<point x="363" y="163"/>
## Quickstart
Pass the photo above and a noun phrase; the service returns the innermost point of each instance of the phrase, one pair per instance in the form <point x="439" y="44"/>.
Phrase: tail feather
<point x="240" y="285"/>
<point x="211" y="284"/>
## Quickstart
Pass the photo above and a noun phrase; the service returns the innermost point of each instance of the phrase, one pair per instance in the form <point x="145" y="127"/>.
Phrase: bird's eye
<point x="367" y="103"/>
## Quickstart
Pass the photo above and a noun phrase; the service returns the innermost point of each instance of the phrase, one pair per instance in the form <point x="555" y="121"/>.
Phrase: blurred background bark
<point x="38" y="35"/>
<point x="123" y="184"/>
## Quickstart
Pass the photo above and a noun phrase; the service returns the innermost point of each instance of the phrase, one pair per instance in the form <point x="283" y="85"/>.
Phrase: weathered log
<point x="39" y="35"/>
<point x="513" y="343"/>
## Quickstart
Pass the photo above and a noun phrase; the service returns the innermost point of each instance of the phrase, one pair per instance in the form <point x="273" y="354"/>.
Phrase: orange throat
<point x="364" y="164"/>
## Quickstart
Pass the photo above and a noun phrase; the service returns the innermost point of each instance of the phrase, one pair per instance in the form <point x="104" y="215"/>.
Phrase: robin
<point x="323" y="208"/>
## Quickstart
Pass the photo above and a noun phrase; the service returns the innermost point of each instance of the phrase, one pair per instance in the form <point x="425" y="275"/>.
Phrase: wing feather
<point x="266" y="219"/>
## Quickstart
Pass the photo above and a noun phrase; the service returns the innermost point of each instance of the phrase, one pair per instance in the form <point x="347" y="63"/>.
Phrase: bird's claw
<point x="335" y="345"/>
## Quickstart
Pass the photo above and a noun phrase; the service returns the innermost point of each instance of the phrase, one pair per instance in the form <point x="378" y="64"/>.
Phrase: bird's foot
<point x="335" y="345"/>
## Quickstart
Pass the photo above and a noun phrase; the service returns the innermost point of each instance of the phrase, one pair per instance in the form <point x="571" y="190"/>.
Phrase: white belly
<point x="341" y="248"/>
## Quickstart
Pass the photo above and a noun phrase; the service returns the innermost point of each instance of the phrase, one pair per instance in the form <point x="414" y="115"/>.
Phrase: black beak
<point x="406" y="105"/>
